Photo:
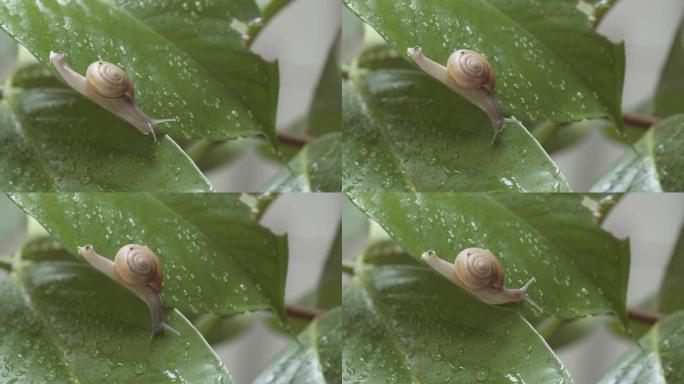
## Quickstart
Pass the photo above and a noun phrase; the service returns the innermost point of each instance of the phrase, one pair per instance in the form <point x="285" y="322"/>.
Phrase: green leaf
<point x="64" y="322"/>
<point x="671" y="298"/>
<point x="409" y="327"/>
<point x="587" y="70"/>
<point x="44" y="248"/>
<point x="313" y="358"/>
<point x="580" y="269"/>
<point x="326" y="107"/>
<point x="330" y="283"/>
<point x="12" y="218"/>
<point x="8" y="56"/>
<point x="381" y="56"/>
<point x="229" y="327"/>
<point x="658" y="358"/>
<point x="405" y="132"/>
<point x="55" y="140"/>
<point x="352" y="35"/>
<point x="216" y="258"/>
<point x="316" y="168"/>
<point x="185" y="59"/>
<point x="655" y="164"/>
<point x="669" y="97"/>
<point x="386" y="252"/>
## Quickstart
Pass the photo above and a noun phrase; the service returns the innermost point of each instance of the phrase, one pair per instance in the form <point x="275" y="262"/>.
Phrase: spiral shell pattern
<point x="478" y="269"/>
<point x="470" y="70"/>
<point x="108" y="80"/>
<point x="137" y="265"/>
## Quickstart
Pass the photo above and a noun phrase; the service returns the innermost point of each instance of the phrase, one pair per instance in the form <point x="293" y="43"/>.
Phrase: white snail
<point x="480" y="273"/>
<point x="109" y="86"/>
<point x="469" y="74"/>
<point x="136" y="268"/>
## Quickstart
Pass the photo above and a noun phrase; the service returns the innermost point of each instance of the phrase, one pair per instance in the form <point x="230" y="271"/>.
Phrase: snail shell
<point x="479" y="272"/>
<point x="477" y="269"/>
<point x="470" y="70"/>
<point x="137" y="265"/>
<point x="109" y="80"/>
<point x="470" y="75"/>
<point x="136" y="268"/>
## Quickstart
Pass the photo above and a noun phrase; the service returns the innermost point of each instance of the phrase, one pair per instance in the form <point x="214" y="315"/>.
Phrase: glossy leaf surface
<point x="579" y="268"/>
<point x="63" y="322"/>
<point x="411" y="327"/>
<point x="215" y="257"/>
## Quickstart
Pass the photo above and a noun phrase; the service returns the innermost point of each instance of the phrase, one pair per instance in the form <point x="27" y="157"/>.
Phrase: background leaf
<point x="587" y="70"/>
<point x="65" y="322"/>
<point x="316" y="168"/>
<point x="405" y="132"/>
<point x="412" y="327"/>
<point x="8" y="56"/>
<point x="173" y="51"/>
<point x="658" y="358"/>
<point x="655" y="164"/>
<point x="216" y="258"/>
<point x="669" y="97"/>
<point x="580" y="269"/>
<point x="671" y="298"/>
<point x="313" y="358"/>
<point x="330" y="283"/>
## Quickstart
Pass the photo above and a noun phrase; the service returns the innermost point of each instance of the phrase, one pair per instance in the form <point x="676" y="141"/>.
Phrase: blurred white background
<point x="299" y="38"/>
<point x="310" y="220"/>
<point x="647" y="28"/>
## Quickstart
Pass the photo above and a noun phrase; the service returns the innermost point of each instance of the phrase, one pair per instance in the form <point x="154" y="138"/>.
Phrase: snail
<point x="136" y="268"/>
<point x="479" y="272"/>
<point x="469" y="74"/>
<point x="109" y="86"/>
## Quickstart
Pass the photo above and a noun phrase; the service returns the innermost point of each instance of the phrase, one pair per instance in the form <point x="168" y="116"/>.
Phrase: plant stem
<point x="6" y="263"/>
<point x="304" y="313"/>
<point x="348" y="267"/>
<point x="644" y="317"/>
<point x="640" y="121"/>
<point x="294" y="140"/>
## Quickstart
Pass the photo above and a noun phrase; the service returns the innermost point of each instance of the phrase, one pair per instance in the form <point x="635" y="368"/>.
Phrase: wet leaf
<point x="64" y="322"/>
<point x="12" y="217"/>
<point x="172" y="51"/>
<point x="215" y="256"/>
<point x="316" y="168"/>
<point x="587" y="70"/>
<point x="579" y="268"/>
<point x="55" y="140"/>
<point x="313" y="358"/>
<point x="405" y="132"/>
<point x="659" y="357"/>
<point x="410" y="327"/>
<point x="655" y="164"/>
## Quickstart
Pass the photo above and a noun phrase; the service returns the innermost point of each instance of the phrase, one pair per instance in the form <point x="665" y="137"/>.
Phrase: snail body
<point x="110" y="87"/>
<point x="479" y="272"/>
<point x="469" y="74"/>
<point x="136" y="268"/>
